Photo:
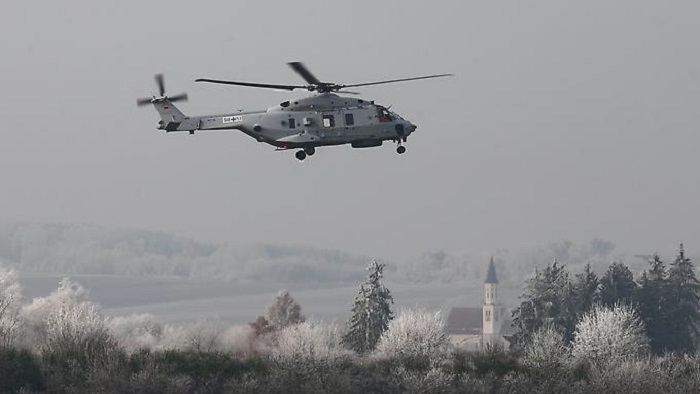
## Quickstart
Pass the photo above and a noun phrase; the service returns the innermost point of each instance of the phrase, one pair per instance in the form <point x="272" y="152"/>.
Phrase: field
<point x="178" y="300"/>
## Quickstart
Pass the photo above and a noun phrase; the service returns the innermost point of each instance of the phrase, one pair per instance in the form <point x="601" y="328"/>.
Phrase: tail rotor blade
<point x="178" y="97"/>
<point x="161" y="84"/>
<point x="143" y="101"/>
<point x="161" y="97"/>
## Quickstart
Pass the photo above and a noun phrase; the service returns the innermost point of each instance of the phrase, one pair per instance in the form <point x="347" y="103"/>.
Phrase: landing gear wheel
<point x="310" y="150"/>
<point x="401" y="150"/>
<point x="301" y="155"/>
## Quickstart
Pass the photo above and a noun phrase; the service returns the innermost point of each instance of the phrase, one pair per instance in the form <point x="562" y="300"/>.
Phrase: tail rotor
<point x="162" y="97"/>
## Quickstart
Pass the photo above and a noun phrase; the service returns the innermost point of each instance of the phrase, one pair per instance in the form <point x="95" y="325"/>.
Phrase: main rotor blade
<point x="161" y="84"/>
<point x="395" y="80"/>
<point x="304" y="72"/>
<point x="252" y="85"/>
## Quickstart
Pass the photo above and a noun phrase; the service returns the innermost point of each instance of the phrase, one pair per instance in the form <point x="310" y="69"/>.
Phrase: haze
<point x="564" y="121"/>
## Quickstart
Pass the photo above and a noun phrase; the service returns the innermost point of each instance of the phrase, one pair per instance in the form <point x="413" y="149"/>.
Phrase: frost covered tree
<point x="607" y="336"/>
<point x="546" y="301"/>
<point x="69" y="318"/>
<point x="10" y="305"/>
<point x="414" y="333"/>
<point x="76" y="329"/>
<point x="309" y="339"/>
<point x="36" y="314"/>
<point x="370" y="313"/>
<point x="138" y="331"/>
<point x="71" y="333"/>
<point x="684" y="304"/>
<point x="239" y="340"/>
<point x="547" y="351"/>
<point x="618" y="285"/>
<point x="284" y="311"/>
<point x="203" y="335"/>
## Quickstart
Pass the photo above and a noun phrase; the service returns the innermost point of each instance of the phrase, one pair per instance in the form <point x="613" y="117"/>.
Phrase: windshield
<point x="384" y="114"/>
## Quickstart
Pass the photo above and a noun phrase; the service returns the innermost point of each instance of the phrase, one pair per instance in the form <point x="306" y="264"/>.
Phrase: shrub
<point x="310" y="339"/>
<point x="137" y="331"/>
<point x="19" y="369"/>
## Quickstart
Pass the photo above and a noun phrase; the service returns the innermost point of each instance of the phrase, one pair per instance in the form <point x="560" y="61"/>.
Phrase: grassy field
<point x="177" y="300"/>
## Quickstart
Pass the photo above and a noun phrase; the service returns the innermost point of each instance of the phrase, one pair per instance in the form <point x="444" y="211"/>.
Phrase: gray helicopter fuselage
<point x="317" y="120"/>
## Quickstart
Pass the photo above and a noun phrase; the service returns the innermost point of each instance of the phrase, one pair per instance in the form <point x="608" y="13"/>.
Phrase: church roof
<point x="465" y="321"/>
<point x="491" y="275"/>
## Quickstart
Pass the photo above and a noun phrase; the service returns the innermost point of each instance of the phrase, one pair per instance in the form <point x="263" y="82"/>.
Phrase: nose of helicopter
<point x="411" y="127"/>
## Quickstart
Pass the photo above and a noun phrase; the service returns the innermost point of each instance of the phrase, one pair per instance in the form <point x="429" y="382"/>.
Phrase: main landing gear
<point x="308" y="151"/>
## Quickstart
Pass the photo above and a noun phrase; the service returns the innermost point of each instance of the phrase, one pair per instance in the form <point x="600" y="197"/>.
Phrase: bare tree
<point x="10" y="304"/>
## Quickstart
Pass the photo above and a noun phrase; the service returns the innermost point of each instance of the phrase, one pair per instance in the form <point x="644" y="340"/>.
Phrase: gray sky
<point x="567" y="120"/>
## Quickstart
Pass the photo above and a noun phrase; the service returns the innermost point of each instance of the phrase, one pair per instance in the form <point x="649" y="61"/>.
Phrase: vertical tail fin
<point x="170" y="115"/>
<point x="168" y="111"/>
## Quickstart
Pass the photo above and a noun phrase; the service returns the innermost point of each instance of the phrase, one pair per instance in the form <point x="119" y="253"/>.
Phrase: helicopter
<point x="322" y="119"/>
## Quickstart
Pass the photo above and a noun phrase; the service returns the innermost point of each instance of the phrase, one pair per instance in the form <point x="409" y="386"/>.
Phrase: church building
<point x="476" y="328"/>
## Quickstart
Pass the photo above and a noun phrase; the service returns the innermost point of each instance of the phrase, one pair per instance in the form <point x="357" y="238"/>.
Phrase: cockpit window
<point x="384" y="114"/>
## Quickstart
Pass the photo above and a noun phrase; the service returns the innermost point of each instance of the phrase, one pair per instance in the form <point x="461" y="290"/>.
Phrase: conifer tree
<point x="618" y="286"/>
<point x="684" y="299"/>
<point x="370" y="313"/>
<point x="654" y="305"/>
<point x="584" y="291"/>
<point x="546" y="301"/>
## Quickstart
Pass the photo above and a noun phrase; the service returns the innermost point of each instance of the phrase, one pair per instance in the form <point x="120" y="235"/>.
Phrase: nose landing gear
<point x="400" y="149"/>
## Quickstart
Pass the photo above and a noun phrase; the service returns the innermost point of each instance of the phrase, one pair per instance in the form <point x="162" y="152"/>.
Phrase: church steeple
<point x="491" y="275"/>
<point x="493" y="310"/>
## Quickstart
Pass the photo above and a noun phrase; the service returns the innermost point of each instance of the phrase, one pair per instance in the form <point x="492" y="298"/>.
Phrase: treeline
<point x="665" y="297"/>
<point x="86" y="249"/>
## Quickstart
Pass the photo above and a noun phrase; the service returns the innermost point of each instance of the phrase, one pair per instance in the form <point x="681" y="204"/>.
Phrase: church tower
<point x="492" y="308"/>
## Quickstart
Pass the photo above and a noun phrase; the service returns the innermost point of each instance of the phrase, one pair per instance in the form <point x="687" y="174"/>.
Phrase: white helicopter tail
<point x="170" y="116"/>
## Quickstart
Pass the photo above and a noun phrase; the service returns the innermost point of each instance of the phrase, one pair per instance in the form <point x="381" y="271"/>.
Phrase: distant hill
<point x="90" y="249"/>
<point x="71" y="249"/>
